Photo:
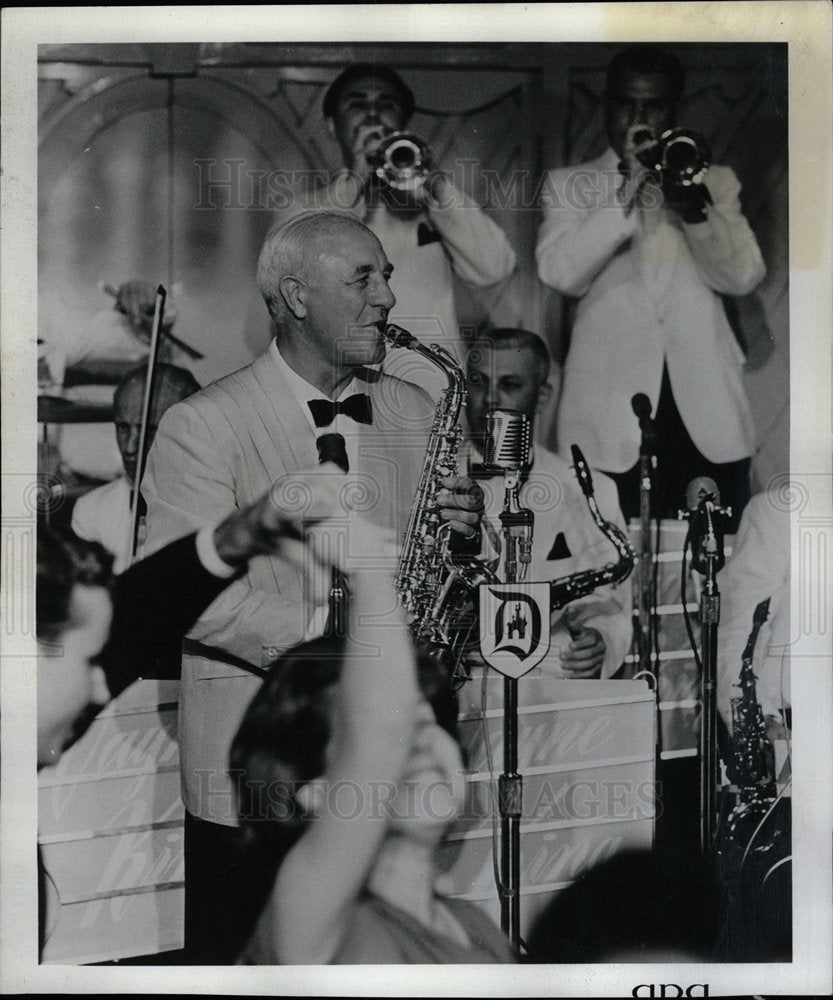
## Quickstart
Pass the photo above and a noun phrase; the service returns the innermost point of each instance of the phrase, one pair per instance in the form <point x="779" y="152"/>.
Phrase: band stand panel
<point x="110" y="832"/>
<point x="586" y="750"/>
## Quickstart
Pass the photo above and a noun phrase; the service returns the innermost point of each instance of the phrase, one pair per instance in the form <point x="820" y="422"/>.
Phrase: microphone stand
<point x="517" y="525"/>
<point x="707" y="557"/>
<point x="647" y="598"/>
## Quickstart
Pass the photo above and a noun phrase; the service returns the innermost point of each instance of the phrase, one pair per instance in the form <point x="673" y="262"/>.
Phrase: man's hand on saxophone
<point x="460" y="505"/>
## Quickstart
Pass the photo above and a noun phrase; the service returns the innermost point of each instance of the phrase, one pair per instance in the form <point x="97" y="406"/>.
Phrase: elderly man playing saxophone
<point x="324" y="277"/>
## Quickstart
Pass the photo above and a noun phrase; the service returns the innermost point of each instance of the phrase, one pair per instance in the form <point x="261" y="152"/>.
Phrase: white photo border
<point x="806" y="26"/>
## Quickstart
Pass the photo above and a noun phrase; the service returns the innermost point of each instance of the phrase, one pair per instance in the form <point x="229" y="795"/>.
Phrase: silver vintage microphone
<point x="507" y="440"/>
<point x="705" y="514"/>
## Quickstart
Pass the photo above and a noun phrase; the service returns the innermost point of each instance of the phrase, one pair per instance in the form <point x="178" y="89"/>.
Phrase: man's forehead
<point x="128" y="405"/>
<point x="90" y="605"/>
<point x="367" y="86"/>
<point x="642" y="85"/>
<point x="129" y="399"/>
<point x="350" y="251"/>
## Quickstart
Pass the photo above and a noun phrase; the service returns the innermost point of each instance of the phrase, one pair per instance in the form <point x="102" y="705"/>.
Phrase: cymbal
<point x="56" y="410"/>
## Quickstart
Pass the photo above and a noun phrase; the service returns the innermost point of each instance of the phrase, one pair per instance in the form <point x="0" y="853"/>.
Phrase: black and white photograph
<point x="417" y="513"/>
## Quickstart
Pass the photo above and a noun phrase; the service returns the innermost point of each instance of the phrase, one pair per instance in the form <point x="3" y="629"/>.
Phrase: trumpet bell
<point x="402" y="161"/>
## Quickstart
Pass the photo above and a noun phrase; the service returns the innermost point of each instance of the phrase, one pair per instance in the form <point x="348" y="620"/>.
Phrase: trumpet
<point x="402" y="161"/>
<point x="679" y="156"/>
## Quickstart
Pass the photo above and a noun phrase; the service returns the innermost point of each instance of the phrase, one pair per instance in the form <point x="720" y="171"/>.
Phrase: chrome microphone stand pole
<point x="709" y="620"/>
<point x="707" y="557"/>
<point x="507" y="449"/>
<point x="647" y="598"/>
<point x="517" y="525"/>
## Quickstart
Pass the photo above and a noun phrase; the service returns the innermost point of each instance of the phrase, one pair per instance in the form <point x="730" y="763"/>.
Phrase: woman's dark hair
<point x="282" y="741"/>
<point x="281" y="744"/>
<point x="64" y="561"/>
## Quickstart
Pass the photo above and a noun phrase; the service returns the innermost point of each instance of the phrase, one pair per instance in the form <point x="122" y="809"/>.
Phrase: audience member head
<point x="171" y="385"/>
<point x="324" y="277"/>
<point x="73" y="611"/>
<point x="281" y="744"/>
<point x="507" y="368"/>
<point x="631" y="908"/>
<point x="366" y="97"/>
<point x="644" y="86"/>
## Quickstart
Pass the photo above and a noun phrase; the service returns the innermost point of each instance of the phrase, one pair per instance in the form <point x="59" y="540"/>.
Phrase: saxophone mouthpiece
<point x="585" y="480"/>
<point x="398" y="336"/>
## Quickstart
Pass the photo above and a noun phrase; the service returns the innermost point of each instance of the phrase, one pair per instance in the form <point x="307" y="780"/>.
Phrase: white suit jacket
<point x="646" y="300"/>
<point x="216" y="452"/>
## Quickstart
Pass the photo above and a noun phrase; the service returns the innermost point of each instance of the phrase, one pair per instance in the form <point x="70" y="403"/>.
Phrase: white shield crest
<point x="514" y="626"/>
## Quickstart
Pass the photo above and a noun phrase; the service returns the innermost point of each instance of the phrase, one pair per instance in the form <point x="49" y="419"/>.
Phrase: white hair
<point x="285" y="252"/>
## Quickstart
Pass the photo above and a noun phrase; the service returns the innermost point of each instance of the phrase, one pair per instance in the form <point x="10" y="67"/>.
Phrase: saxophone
<point x="568" y="588"/>
<point x="751" y="765"/>
<point x="438" y="588"/>
<point x="435" y="585"/>
<point x="754" y="837"/>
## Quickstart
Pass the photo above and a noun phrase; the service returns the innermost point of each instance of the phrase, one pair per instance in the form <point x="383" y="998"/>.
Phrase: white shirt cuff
<point x="207" y="553"/>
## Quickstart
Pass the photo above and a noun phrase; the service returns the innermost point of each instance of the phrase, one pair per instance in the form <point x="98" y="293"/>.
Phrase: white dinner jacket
<point x="646" y="300"/>
<point x="219" y="451"/>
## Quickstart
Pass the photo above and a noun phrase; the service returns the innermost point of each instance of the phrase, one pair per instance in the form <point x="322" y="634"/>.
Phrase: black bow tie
<point x="357" y="406"/>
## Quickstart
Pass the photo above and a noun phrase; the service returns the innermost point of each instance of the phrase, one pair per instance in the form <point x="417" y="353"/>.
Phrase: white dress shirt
<point x="305" y="391"/>
<point x="343" y="424"/>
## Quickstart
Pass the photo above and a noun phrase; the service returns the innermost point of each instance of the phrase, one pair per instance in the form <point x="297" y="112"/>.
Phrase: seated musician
<point x="509" y="368"/>
<point x="104" y="514"/>
<point x="755" y="837"/>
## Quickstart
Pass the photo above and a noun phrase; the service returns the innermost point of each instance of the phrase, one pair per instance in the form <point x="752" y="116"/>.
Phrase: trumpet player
<point x="647" y="253"/>
<point x="429" y="228"/>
